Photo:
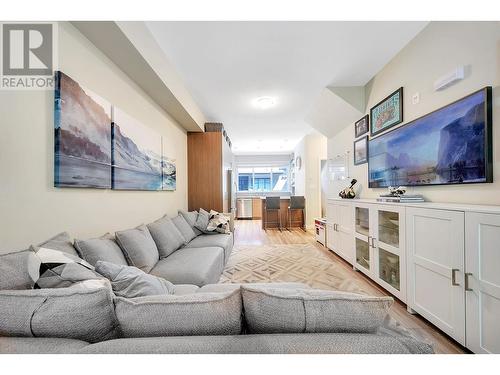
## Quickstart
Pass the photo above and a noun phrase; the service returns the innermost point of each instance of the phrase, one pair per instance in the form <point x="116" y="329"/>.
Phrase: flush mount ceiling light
<point x="264" y="102"/>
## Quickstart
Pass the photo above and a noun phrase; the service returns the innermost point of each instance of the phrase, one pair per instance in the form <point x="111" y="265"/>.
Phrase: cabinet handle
<point x="336" y="227"/>
<point x="454" y="277"/>
<point x="373" y="242"/>
<point x="467" y="274"/>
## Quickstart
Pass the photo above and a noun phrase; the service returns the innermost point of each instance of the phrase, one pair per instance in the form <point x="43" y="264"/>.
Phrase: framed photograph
<point x="361" y="126"/>
<point x="387" y="113"/>
<point x="361" y="151"/>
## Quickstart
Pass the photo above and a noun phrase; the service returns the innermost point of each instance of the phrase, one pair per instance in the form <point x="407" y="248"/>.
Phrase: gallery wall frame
<point x="387" y="113"/>
<point x="361" y="126"/>
<point x="360" y="150"/>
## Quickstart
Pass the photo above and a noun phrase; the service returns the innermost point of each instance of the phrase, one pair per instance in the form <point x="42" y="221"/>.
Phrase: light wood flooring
<point x="250" y="232"/>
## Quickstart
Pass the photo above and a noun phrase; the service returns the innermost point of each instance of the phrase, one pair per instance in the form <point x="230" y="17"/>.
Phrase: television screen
<point x="451" y="145"/>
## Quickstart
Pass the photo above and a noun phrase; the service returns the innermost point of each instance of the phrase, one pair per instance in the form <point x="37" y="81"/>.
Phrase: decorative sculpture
<point x="348" y="192"/>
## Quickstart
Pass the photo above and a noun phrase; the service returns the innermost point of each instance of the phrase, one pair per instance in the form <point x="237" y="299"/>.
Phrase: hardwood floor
<point x="250" y="232"/>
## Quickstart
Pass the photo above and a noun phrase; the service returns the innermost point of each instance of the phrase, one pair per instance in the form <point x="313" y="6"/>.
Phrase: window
<point x="263" y="179"/>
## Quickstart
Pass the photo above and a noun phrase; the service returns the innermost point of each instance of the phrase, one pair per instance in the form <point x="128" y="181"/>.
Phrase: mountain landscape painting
<point x="448" y="146"/>
<point x="137" y="154"/>
<point x="82" y="136"/>
<point x="169" y="172"/>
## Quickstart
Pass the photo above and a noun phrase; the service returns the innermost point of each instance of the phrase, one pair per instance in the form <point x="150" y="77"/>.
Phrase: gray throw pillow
<point x="190" y="217"/>
<point x="197" y="314"/>
<point x="80" y="312"/>
<point x="166" y="236"/>
<point x="273" y="310"/>
<point x="138" y="247"/>
<point x="61" y="242"/>
<point x="185" y="229"/>
<point x="103" y="248"/>
<point x="202" y="220"/>
<point x="14" y="271"/>
<point x="131" y="282"/>
<point x="50" y="268"/>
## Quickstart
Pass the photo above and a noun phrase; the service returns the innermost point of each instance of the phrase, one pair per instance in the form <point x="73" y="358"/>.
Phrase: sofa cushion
<point x="166" y="236"/>
<point x="224" y="241"/>
<point x="51" y="268"/>
<point x="182" y="315"/>
<point x="103" y="248"/>
<point x="181" y="289"/>
<point x="40" y="345"/>
<point x="138" y="247"/>
<point x="190" y="217"/>
<point x="216" y="288"/>
<point x="303" y="343"/>
<point x="185" y="229"/>
<point x="14" y="271"/>
<point x="198" y="266"/>
<point x="78" y="312"/>
<point x="273" y="310"/>
<point x="131" y="282"/>
<point x="61" y="242"/>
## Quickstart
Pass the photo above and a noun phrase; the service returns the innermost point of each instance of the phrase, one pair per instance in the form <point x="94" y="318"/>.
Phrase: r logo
<point x="27" y="49"/>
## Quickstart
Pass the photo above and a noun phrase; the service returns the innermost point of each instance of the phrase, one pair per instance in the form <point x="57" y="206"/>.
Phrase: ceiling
<point x="226" y="65"/>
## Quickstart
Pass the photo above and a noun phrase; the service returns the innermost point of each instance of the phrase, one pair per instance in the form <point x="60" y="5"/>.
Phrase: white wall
<point x="438" y="49"/>
<point x="31" y="209"/>
<point x="312" y="148"/>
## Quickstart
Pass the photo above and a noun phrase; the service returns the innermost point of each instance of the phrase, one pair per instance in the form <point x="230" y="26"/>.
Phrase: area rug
<point x="288" y="263"/>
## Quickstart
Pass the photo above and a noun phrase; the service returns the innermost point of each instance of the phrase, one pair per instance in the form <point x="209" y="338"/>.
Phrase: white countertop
<point x="493" y="209"/>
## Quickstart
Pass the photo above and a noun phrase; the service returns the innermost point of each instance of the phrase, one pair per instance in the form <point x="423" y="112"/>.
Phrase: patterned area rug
<point x="288" y="263"/>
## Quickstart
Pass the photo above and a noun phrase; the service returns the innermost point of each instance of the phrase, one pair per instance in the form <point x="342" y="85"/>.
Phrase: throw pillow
<point x="273" y="310"/>
<point x="80" y="312"/>
<point x="131" y="282"/>
<point x="166" y="236"/>
<point x="190" y="217"/>
<point x="185" y="229"/>
<point x="202" y="221"/>
<point x="138" y="247"/>
<point x="14" y="271"/>
<point x="103" y="248"/>
<point x="218" y="223"/>
<point x="197" y="314"/>
<point x="51" y="268"/>
<point x="61" y="242"/>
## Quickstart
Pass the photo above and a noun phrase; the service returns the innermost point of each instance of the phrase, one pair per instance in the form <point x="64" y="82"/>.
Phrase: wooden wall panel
<point x="205" y="171"/>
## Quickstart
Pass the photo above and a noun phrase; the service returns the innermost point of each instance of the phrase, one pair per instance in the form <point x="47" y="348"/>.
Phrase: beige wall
<point x="438" y="49"/>
<point x="312" y="148"/>
<point x="31" y="209"/>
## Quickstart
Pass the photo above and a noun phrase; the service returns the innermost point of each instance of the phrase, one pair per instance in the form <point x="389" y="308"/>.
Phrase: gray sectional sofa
<point x="195" y="315"/>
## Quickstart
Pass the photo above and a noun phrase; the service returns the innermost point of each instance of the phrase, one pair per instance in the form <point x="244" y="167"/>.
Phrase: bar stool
<point x="273" y="204"/>
<point x="297" y="203"/>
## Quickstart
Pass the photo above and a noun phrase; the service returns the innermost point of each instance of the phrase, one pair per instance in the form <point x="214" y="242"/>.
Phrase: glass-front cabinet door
<point x="389" y="248"/>
<point x="362" y="238"/>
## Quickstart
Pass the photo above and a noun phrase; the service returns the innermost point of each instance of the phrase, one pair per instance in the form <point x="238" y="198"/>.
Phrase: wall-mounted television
<point x="452" y="145"/>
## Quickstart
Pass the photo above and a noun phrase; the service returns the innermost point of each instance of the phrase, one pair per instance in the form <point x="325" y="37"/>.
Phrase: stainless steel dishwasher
<point x="244" y="208"/>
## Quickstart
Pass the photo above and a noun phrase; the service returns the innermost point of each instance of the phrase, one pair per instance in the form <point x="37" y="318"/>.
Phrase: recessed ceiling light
<point x="264" y="102"/>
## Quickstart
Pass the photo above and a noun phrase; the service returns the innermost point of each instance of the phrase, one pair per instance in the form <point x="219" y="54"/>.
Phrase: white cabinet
<point x="443" y="260"/>
<point x="379" y="245"/>
<point x="435" y="249"/>
<point x="482" y="282"/>
<point x="339" y="229"/>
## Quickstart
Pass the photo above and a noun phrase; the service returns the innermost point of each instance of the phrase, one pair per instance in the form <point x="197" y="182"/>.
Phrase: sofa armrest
<point x="231" y="220"/>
